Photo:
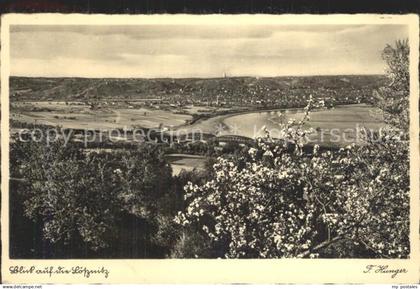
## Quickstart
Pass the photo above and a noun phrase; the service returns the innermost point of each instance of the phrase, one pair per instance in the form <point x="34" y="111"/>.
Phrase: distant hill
<point x="71" y="89"/>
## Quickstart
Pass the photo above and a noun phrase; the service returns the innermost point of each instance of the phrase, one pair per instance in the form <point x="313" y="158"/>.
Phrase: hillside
<point x="68" y="89"/>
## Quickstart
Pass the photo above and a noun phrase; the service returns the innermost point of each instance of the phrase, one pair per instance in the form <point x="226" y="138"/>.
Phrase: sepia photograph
<point x="220" y="140"/>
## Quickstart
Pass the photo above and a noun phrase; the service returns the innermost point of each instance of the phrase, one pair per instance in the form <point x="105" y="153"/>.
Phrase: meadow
<point x="82" y="116"/>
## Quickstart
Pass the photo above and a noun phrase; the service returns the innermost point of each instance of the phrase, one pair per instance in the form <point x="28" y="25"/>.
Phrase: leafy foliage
<point x="79" y="195"/>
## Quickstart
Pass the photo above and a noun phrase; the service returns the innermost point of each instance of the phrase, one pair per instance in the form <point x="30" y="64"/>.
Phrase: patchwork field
<point x="81" y="116"/>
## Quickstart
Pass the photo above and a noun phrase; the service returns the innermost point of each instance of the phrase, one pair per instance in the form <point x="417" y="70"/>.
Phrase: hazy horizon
<point x="200" y="51"/>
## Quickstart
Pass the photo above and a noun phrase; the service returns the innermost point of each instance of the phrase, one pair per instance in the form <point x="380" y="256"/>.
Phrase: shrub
<point x="76" y="195"/>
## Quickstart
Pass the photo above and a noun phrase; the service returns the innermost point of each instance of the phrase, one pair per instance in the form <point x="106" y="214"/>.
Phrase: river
<point x="339" y="124"/>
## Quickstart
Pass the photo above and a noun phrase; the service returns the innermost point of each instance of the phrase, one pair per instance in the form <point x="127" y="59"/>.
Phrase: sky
<point x="156" y="51"/>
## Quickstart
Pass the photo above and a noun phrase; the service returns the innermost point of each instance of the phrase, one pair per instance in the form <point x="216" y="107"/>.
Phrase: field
<point x="185" y="162"/>
<point x="82" y="116"/>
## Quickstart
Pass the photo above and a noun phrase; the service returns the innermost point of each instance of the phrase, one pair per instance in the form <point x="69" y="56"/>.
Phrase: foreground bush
<point x="87" y="196"/>
<point x="286" y="204"/>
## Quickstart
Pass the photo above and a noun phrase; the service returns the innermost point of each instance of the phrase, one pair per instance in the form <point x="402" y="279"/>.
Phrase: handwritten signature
<point x="385" y="269"/>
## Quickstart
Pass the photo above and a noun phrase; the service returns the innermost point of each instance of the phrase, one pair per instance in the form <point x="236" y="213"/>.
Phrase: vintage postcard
<point x="210" y="148"/>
